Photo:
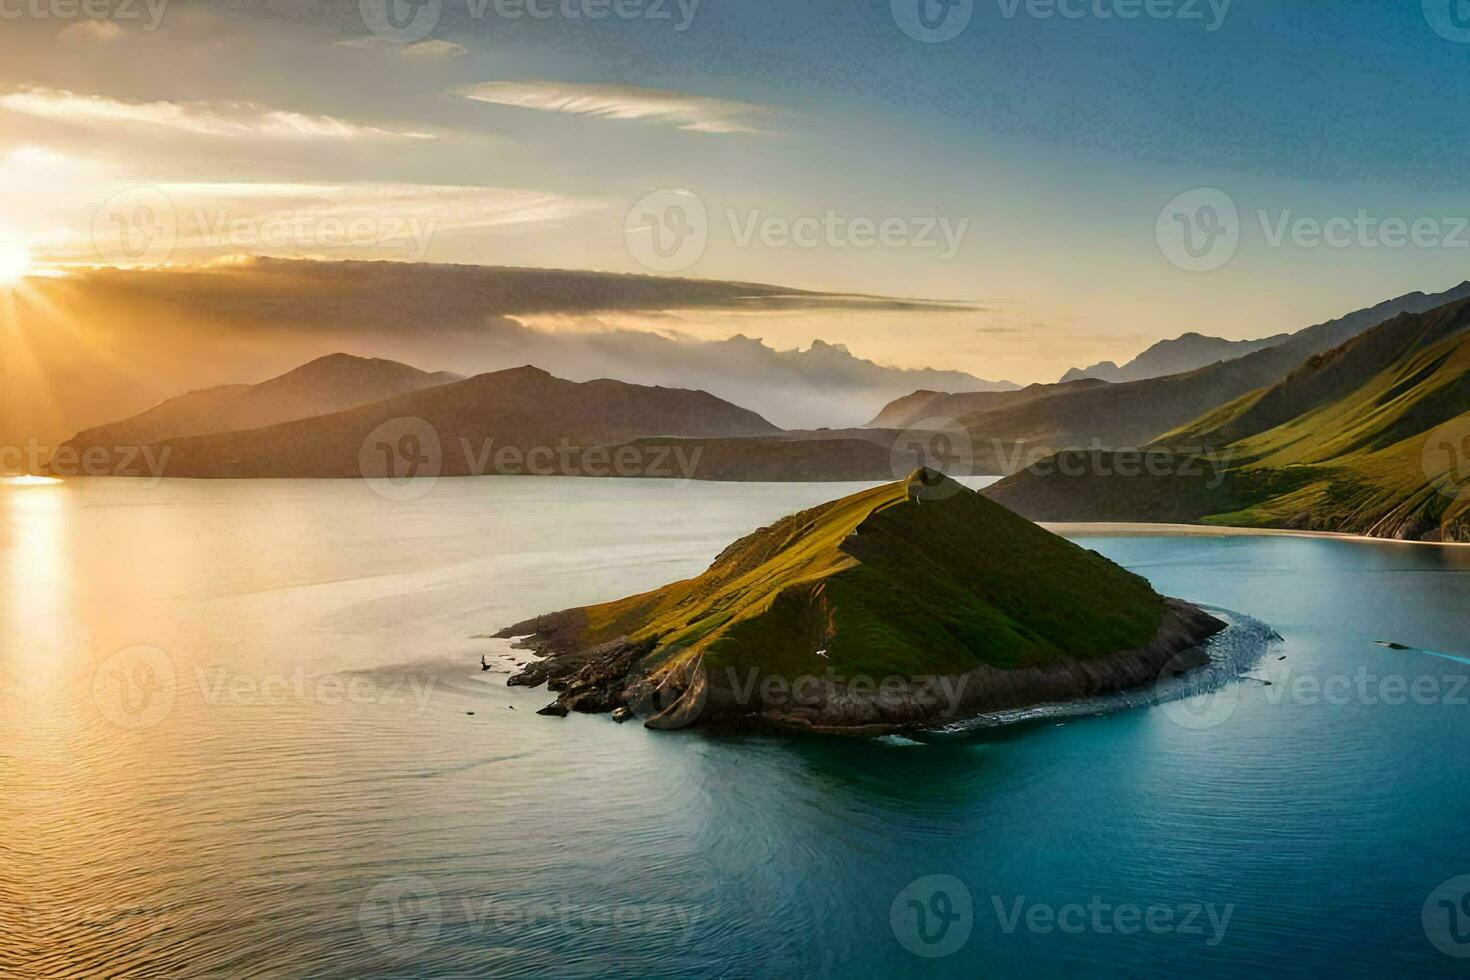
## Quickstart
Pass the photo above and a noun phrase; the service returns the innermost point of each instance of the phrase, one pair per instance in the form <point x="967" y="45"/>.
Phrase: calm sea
<point x="243" y="730"/>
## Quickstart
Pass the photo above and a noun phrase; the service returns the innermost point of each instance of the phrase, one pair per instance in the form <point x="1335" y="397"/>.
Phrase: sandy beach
<point x="1102" y="529"/>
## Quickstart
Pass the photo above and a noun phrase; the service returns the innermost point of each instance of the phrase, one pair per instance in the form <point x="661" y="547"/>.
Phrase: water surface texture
<point x="244" y="730"/>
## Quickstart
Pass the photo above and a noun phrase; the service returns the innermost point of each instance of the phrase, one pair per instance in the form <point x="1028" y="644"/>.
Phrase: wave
<point x="1457" y="658"/>
<point x="1227" y="656"/>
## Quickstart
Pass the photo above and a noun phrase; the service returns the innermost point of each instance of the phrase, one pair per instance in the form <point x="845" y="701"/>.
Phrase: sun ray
<point x="15" y="262"/>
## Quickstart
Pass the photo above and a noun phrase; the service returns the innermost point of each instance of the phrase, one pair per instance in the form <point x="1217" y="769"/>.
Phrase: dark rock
<point x="622" y="714"/>
<point x="555" y="709"/>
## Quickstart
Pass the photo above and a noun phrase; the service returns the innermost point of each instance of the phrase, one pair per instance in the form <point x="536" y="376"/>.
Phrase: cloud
<point x="680" y="110"/>
<point x="433" y="49"/>
<point x="211" y="221"/>
<point x="29" y="166"/>
<point x="578" y="325"/>
<point x="425" y="50"/>
<point x="90" y="32"/>
<point x="228" y="119"/>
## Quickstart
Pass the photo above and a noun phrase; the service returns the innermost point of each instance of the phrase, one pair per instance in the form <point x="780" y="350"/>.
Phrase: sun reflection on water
<point x="33" y="552"/>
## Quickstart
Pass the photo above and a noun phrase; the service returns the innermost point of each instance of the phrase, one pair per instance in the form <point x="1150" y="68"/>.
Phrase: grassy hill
<point x="1113" y="416"/>
<point x="914" y="579"/>
<point x="1367" y="438"/>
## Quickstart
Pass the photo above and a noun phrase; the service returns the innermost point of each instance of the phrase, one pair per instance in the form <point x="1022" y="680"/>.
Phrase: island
<point x="910" y="605"/>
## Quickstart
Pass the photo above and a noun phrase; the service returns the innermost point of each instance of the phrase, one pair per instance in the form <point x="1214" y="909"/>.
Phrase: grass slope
<point x="921" y="576"/>
<point x="1346" y="442"/>
<point x="1135" y="413"/>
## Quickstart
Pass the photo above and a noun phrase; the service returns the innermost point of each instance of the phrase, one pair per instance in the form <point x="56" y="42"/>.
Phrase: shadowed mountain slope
<point x="463" y="428"/>
<point x="323" y="386"/>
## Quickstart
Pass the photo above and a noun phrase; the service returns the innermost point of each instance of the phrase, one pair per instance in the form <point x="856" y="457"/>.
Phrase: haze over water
<point x="236" y="736"/>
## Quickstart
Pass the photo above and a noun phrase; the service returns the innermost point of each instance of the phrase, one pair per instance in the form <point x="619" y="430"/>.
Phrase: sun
<point x="15" y="262"/>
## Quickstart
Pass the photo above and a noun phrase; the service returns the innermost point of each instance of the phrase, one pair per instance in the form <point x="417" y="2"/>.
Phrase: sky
<point x="1085" y="176"/>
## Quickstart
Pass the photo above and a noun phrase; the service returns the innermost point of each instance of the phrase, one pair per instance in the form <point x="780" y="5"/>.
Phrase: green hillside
<point x="918" y="577"/>
<point x="1131" y="414"/>
<point x="1368" y="438"/>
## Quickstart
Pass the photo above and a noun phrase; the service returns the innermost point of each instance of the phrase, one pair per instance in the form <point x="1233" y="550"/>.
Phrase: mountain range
<point x="328" y="384"/>
<point x="313" y="420"/>
<point x="521" y="420"/>
<point x="1371" y="437"/>
<point x="96" y="345"/>
<point x="1112" y="416"/>
<point x="1346" y="425"/>
<point x="1184" y="353"/>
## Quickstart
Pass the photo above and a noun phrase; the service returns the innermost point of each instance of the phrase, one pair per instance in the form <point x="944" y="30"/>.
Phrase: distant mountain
<point x="818" y="456"/>
<point x="1183" y="353"/>
<point x="735" y="445"/>
<point x="824" y="384"/>
<point x="323" y="386"/>
<point x="1135" y="413"/>
<point x="752" y="459"/>
<point x="515" y="421"/>
<point x="921" y="405"/>
<point x="1372" y="437"/>
<point x="153" y="333"/>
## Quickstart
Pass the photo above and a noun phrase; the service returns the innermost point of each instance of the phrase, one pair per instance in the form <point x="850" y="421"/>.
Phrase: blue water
<point x="1295" y="829"/>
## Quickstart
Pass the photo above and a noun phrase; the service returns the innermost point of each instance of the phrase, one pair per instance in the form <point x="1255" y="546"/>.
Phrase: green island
<point x="914" y="603"/>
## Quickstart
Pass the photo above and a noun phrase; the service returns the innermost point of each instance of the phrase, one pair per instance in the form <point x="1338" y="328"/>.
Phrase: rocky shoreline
<point x="607" y="678"/>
